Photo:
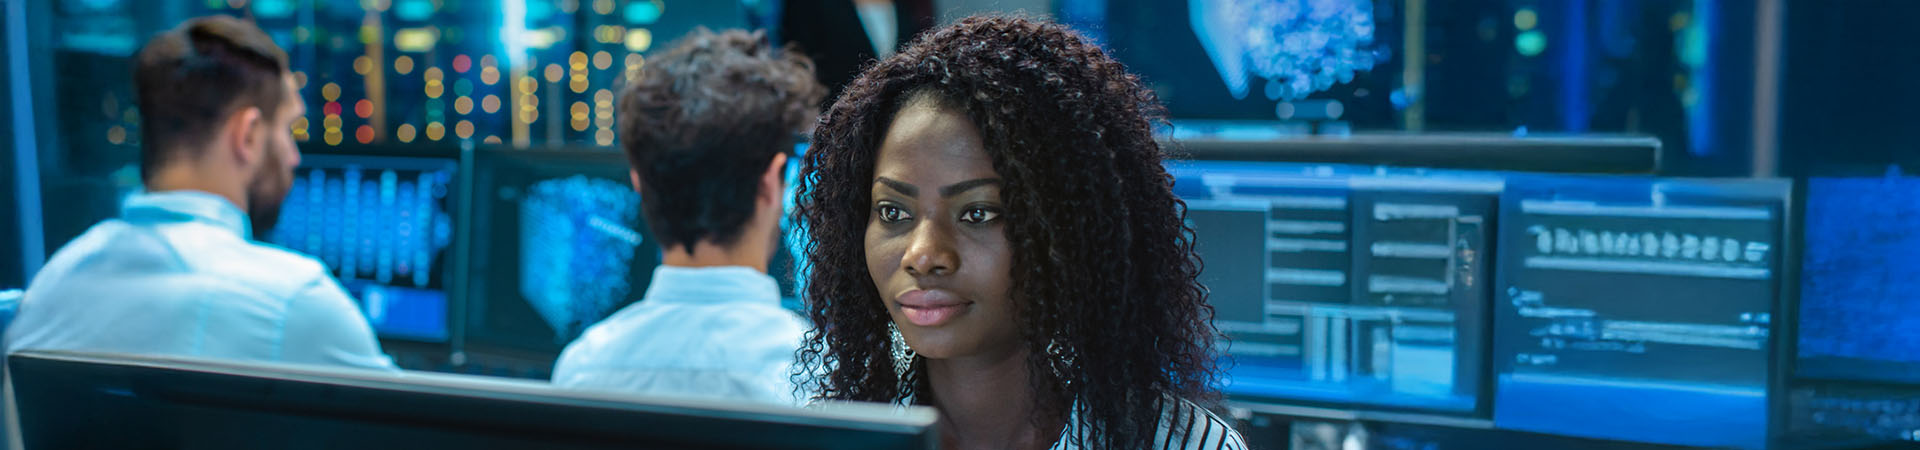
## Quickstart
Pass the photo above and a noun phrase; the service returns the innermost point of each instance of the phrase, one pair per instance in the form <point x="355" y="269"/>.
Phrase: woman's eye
<point x="979" y="215"/>
<point x="891" y="214"/>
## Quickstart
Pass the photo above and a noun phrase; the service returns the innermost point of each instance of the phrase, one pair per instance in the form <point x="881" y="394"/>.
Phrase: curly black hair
<point x="1104" y="272"/>
<point x="702" y="121"/>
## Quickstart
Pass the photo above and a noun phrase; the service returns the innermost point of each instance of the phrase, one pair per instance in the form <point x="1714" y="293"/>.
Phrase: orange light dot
<point x="554" y="72"/>
<point x="364" y="134"/>
<point x="363" y="108"/>
<point x="490" y="103"/>
<point x="464" y="129"/>
<point x="463" y="105"/>
<point x="435" y="131"/>
<point x="405" y="133"/>
<point x="403" y="64"/>
<point x="602" y="60"/>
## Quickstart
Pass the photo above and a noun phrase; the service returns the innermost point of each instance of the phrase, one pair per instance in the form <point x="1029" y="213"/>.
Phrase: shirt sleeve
<point x="325" y="327"/>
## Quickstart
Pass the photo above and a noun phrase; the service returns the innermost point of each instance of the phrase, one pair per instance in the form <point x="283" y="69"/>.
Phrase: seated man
<point x="179" y="273"/>
<point x="708" y="126"/>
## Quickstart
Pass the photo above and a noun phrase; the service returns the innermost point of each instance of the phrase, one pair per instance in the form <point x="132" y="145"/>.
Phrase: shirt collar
<point x="712" y="285"/>
<point x="187" y="206"/>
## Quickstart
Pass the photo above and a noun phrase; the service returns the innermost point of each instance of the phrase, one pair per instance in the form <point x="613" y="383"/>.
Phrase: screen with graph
<point x="383" y="225"/>
<point x="1638" y="309"/>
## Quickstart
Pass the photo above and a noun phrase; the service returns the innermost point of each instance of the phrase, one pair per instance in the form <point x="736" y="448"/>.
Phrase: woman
<point x="993" y="234"/>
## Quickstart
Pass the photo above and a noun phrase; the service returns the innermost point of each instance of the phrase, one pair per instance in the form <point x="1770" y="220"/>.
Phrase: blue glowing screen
<point x="577" y="244"/>
<point x="560" y="244"/>
<point x="1343" y="287"/>
<point x="1637" y="309"/>
<point x="1860" y="280"/>
<point x="382" y="225"/>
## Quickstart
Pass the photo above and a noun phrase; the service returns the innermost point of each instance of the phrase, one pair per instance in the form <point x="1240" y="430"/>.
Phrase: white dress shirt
<point x="708" y="332"/>
<point x="179" y="274"/>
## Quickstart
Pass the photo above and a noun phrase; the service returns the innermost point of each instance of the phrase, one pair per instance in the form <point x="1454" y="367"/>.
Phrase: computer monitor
<point x="383" y="219"/>
<point x="1857" y="372"/>
<point x="1346" y="285"/>
<point x="1638" y="309"/>
<point x="559" y="244"/>
<point x="65" y="400"/>
<point x="1218" y="59"/>
<point x="1859" y="293"/>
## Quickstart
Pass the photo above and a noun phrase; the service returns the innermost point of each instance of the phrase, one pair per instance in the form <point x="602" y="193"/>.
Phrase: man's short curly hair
<point x="1103" y="269"/>
<point x="700" y="123"/>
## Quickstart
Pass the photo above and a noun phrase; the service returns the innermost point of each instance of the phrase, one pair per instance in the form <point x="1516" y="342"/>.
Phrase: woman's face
<point x="936" y="245"/>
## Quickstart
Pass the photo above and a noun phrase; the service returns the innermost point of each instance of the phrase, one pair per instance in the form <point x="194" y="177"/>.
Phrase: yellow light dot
<point x="403" y="64"/>
<point x="333" y="137"/>
<point x="363" y="65"/>
<point x="332" y="122"/>
<point x="463" y="105"/>
<point x="604" y="136"/>
<point x="369" y="34"/>
<point x="489" y="75"/>
<point x="554" y="72"/>
<point x="634" y="63"/>
<point x="1525" y="19"/>
<point x="490" y="103"/>
<point x="639" y="39"/>
<point x="405" y="133"/>
<point x="464" y="129"/>
<point x="603" y="97"/>
<point x="604" y="7"/>
<point x="602" y="60"/>
<point x="579" y="85"/>
<point x="330" y="92"/>
<point x="579" y="109"/>
<point x="577" y="60"/>
<point x="117" y="135"/>
<point x="491" y="140"/>
<point x="528" y="85"/>
<point x="433" y="74"/>
<point x="435" y="89"/>
<point x="435" y="131"/>
<point x="529" y="115"/>
<point x="300" y="125"/>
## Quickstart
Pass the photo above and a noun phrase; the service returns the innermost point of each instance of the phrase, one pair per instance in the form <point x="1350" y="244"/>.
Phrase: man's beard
<point x="265" y="194"/>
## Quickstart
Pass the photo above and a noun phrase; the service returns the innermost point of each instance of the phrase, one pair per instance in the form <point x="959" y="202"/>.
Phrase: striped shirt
<point x="1183" y="426"/>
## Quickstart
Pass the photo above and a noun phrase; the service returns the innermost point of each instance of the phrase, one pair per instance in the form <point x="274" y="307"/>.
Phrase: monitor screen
<point x="383" y="225"/>
<point x="559" y="245"/>
<point x="1345" y="288"/>
<point x="1637" y="309"/>
<point x="1259" y="61"/>
<point x="1860" y="280"/>
<point x="162" y="402"/>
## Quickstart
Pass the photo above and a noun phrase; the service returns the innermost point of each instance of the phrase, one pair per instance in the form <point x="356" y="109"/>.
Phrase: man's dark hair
<point x="700" y="124"/>
<point x="190" y="78"/>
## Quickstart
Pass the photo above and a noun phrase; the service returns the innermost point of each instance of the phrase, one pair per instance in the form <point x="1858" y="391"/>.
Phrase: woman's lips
<point x="931" y="307"/>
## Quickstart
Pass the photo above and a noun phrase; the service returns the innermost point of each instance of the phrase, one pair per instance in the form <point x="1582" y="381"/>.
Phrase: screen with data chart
<point x="383" y="225"/>
<point x="559" y="245"/>
<point x="1355" y="288"/>
<point x="1638" y="309"/>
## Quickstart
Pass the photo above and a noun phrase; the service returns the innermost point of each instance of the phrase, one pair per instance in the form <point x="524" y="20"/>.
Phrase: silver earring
<point x="902" y="353"/>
